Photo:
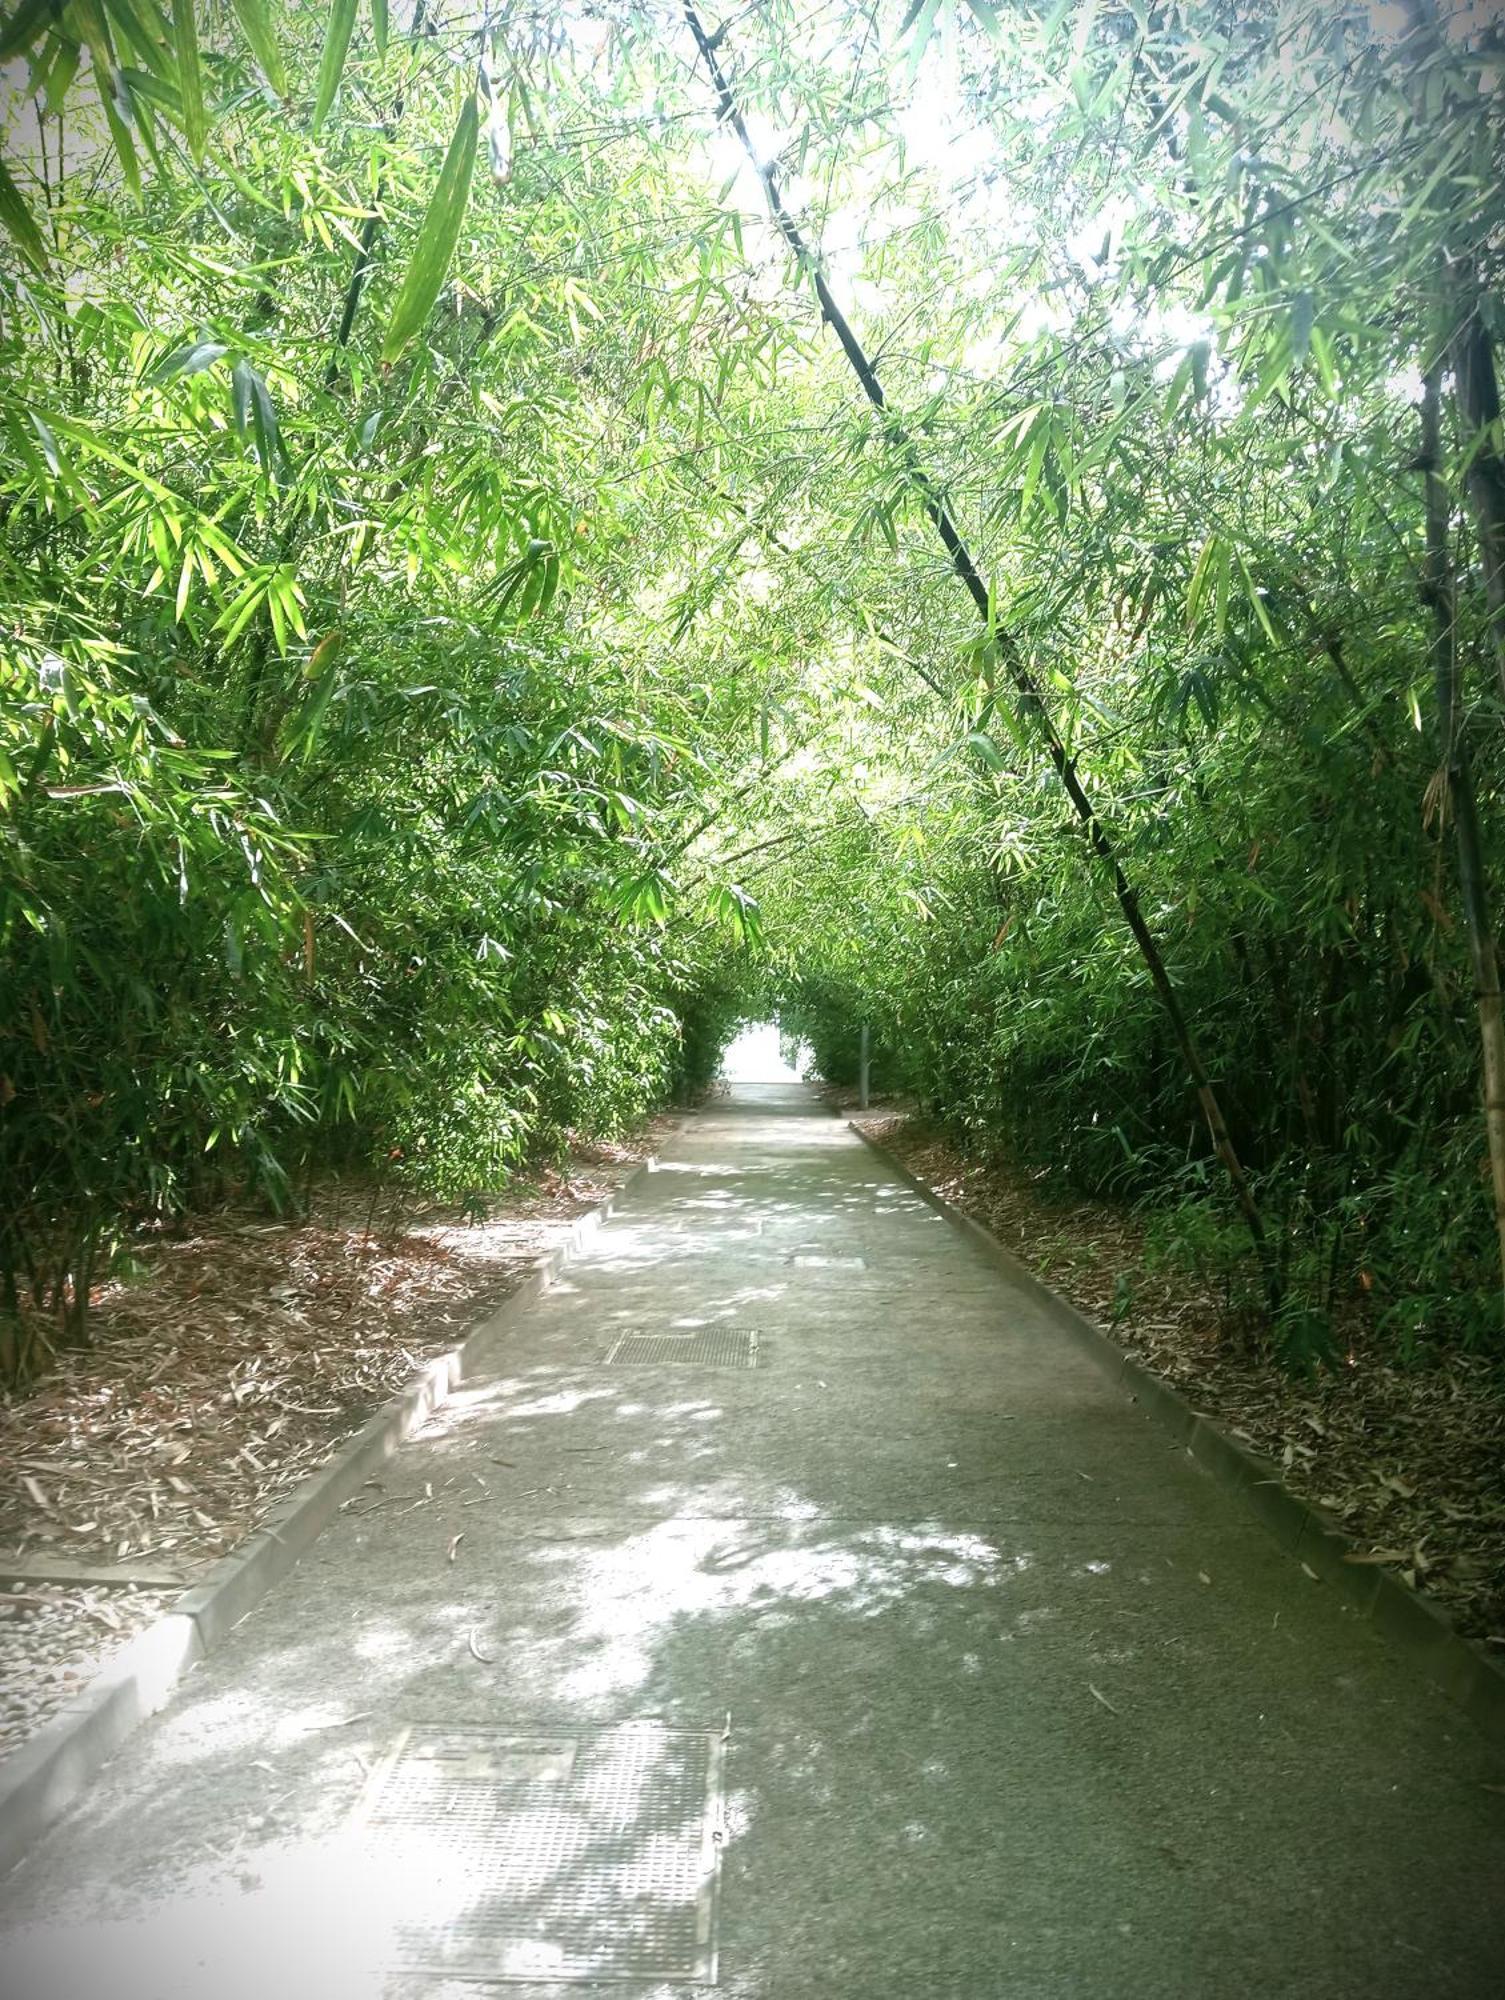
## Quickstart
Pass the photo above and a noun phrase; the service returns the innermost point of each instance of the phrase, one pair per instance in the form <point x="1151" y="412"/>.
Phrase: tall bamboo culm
<point x="1458" y="789"/>
<point x="1009" y="652"/>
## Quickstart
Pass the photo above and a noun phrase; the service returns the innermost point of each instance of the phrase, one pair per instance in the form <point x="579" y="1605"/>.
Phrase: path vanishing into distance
<point x="786" y="1602"/>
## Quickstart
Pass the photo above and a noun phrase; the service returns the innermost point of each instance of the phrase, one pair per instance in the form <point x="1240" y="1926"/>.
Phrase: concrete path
<point x="1014" y="1701"/>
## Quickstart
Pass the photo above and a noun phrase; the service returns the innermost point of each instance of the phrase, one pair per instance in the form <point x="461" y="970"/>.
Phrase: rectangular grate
<point x="570" y="1854"/>
<point x="700" y="1347"/>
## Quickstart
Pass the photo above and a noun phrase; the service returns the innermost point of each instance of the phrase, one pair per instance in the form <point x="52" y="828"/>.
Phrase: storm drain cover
<point x="703" y="1346"/>
<point x="566" y="1855"/>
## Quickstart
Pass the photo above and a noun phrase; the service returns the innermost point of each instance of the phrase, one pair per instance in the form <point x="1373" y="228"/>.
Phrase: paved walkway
<point x="1019" y="1703"/>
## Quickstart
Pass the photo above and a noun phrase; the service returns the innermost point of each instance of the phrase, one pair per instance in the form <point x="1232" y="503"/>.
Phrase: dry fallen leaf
<point x="1101" y="1697"/>
<point x="454" y="1544"/>
<point x="486" y="1659"/>
<point x="198" y="1376"/>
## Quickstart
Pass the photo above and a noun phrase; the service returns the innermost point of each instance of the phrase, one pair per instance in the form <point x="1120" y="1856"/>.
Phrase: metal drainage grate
<point x="703" y="1347"/>
<point x="566" y="1855"/>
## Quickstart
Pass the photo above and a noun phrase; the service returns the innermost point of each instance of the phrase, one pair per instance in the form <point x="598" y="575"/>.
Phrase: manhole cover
<point x="704" y="1347"/>
<point x="565" y="1855"/>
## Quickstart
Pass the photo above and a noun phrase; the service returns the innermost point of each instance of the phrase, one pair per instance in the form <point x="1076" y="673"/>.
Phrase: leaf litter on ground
<point x="220" y="1377"/>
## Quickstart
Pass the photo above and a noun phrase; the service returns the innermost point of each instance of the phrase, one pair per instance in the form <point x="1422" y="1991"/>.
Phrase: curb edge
<point x="1411" y="1621"/>
<point x="51" y="1770"/>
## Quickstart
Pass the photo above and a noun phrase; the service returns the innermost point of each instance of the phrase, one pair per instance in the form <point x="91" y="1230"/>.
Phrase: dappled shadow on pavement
<point x="1014" y="1702"/>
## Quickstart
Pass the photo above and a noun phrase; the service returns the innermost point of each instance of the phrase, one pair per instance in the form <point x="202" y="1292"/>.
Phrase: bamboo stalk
<point x="1470" y="350"/>
<point x="1476" y="391"/>
<point x="1009" y="652"/>
<point x="1438" y="593"/>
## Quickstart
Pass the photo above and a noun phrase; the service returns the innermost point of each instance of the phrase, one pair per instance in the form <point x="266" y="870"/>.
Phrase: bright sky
<point x="754" y="1057"/>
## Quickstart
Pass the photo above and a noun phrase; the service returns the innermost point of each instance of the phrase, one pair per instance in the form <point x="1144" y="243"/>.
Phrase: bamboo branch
<point x="1469" y="348"/>
<point x="1009" y="652"/>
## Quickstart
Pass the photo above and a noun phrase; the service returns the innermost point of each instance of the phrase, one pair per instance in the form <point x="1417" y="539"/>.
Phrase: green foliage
<point x="320" y="841"/>
<point x="332" y="61"/>
<point x="468" y="643"/>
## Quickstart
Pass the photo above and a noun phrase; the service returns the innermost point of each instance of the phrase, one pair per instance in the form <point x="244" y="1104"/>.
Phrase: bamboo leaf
<point x="924" y="16"/>
<point x="241" y="376"/>
<point x="499" y="139"/>
<point x="1202" y="574"/>
<point x="437" y="237"/>
<point x="379" y="25"/>
<point x="136" y="84"/>
<point x="1220" y="590"/>
<point x="332" y="62"/>
<point x="1256" y="600"/>
<point x="142" y="28"/>
<point x="256" y="25"/>
<point x="48" y="443"/>
<point x="26" y="24"/>
<point x="125" y="146"/>
<point x="192" y="358"/>
<point x="255" y="416"/>
<point x="19" y="222"/>
<point x="185" y="36"/>
<point x="1303" y="318"/>
<point x="302" y="734"/>
<point x="56" y="68"/>
<point x="986" y="17"/>
<point x="114" y="91"/>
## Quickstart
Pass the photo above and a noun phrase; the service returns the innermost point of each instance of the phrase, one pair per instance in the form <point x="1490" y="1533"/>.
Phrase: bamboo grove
<point x="533" y="533"/>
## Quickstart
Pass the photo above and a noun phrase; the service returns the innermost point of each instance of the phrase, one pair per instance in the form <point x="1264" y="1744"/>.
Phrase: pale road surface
<point x="987" y="1690"/>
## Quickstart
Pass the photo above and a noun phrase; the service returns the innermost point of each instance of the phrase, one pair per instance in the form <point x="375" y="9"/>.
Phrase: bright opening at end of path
<point x="755" y="1057"/>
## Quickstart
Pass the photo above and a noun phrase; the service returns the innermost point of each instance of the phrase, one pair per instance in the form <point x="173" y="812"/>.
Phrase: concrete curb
<point x="41" y="1779"/>
<point x="1410" y="1620"/>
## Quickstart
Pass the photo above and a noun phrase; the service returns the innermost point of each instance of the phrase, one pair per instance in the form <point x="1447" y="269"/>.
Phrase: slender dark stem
<point x="1440" y="595"/>
<point x="360" y="270"/>
<point x="1008" y="649"/>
